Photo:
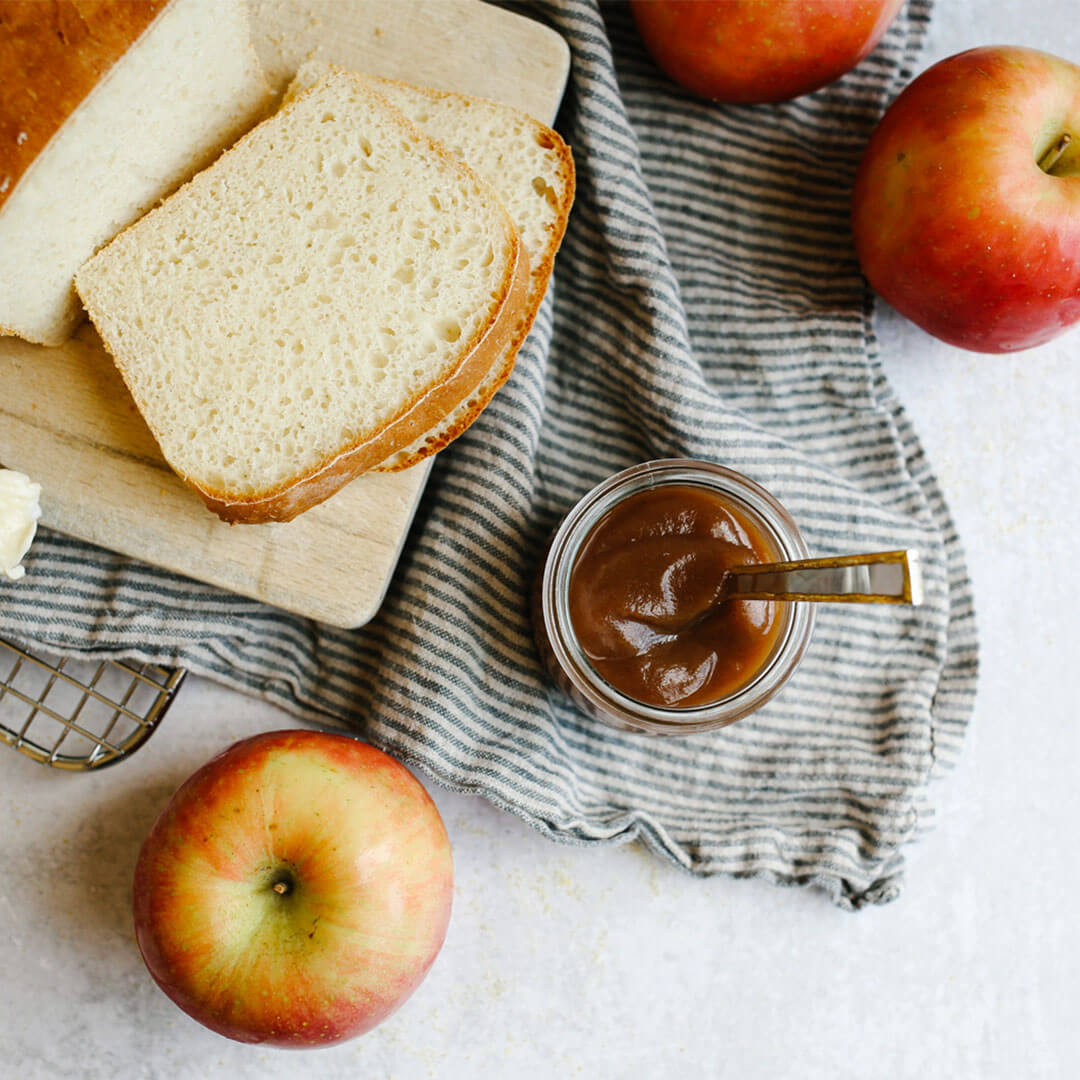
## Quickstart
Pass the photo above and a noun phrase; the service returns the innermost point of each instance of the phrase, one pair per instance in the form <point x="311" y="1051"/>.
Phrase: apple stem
<point x="281" y="887"/>
<point x="1053" y="155"/>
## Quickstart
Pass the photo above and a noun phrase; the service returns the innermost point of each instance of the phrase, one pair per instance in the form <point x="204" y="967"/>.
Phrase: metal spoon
<point x="884" y="577"/>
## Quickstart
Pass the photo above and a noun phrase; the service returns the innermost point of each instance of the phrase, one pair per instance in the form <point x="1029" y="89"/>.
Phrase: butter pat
<point x="19" y="513"/>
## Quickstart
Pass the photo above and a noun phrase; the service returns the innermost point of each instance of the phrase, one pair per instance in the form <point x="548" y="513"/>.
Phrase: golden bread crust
<point x="52" y="54"/>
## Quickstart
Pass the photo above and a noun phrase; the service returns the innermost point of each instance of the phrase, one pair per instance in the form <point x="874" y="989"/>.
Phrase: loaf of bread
<point x="105" y="106"/>
<point x="328" y="290"/>
<point x="531" y="168"/>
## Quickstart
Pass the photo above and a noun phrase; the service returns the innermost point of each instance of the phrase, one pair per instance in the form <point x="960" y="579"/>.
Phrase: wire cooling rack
<point x="80" y="714"/>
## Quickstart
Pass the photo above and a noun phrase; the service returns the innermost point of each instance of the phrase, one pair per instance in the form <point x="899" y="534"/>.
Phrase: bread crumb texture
<point x="526" y="162"/>
<point x="293" y="299"/>
<point x="532" y="169"/>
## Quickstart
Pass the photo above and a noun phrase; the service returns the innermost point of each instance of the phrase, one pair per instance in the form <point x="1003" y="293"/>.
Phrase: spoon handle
<point x="885" y="577"/>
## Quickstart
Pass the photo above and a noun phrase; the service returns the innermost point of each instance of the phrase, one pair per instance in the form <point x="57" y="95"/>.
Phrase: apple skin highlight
<point x="955" y="223"/>
<point x="295" y="890"/>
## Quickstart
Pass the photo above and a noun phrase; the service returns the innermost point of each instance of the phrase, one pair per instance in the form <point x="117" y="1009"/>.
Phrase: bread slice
<point x="325" y="292"/>
<point x="531" y="168"/>
<point x="105" y="108"/>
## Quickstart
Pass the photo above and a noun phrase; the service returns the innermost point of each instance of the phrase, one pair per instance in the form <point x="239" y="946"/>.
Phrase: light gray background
<point x="565" y="962"/>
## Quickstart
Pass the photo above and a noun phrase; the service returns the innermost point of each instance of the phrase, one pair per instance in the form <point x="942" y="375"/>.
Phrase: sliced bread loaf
<point x="328" y="290"/>
<point x="104" y="108"/>
<point x="531" y="168"/>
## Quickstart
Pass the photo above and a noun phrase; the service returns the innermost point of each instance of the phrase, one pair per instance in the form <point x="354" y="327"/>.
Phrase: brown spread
<point x="643" y="597"/>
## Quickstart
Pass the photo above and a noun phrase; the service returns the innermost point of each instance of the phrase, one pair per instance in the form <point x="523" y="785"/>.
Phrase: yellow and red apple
<point x="755" y="51"/>
<point x="295" y="890"/>
<point x="966" y="206"/>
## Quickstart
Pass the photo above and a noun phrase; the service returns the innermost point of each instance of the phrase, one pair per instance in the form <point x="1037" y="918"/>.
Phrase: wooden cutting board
<point x="66" y="418"/>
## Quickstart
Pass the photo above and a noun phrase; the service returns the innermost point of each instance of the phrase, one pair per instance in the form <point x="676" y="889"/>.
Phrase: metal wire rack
<point x="80" y="714"/>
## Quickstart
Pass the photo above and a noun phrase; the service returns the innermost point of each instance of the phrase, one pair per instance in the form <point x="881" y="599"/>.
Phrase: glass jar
<point x="565" y="659"/>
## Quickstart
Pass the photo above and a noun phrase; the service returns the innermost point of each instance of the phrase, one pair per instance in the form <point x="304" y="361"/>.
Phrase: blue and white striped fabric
<point x="707" y="304"/>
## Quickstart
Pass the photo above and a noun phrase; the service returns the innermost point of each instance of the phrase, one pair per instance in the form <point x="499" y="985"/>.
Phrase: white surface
<point x="564" y="962"/>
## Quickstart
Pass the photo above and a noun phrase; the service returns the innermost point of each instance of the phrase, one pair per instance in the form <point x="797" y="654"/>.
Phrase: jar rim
<point x="778" y="526"/>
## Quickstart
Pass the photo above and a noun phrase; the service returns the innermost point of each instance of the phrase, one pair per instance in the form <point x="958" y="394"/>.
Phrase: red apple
<point x="752" y="51"/>
<point x="966" y="212"/>
<point x="295" y="890"/>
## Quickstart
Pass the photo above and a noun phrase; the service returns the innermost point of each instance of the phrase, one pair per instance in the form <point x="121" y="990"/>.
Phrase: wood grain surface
<point x="67" y="420"/>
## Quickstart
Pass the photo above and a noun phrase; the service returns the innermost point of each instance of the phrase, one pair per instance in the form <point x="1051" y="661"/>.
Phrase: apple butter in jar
<point x="626" y="611"/>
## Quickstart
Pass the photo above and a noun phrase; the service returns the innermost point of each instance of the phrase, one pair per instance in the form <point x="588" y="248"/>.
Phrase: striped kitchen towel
<point x="706" y="304"/>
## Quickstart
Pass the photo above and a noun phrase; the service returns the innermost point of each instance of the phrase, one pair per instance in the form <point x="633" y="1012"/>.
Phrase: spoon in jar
<point x="880" y="577"/>
<point x="883" y="577"/>
<point x="659" y="616"/>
